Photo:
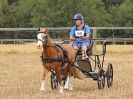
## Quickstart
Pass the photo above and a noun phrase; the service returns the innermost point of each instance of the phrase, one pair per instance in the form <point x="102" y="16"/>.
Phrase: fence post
<point x="94" y="37"/>
<point x="1" y="42"/>
<point x="125" y="43"/>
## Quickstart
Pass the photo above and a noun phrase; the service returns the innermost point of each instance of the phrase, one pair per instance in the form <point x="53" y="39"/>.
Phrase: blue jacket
<point x="84" y="28"/>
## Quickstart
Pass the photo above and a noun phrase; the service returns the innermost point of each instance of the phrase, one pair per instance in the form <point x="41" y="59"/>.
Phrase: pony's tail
<point x="76" y="73"/>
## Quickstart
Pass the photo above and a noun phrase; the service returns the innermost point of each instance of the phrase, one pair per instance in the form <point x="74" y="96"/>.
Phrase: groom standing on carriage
<point x="80" y="34"/>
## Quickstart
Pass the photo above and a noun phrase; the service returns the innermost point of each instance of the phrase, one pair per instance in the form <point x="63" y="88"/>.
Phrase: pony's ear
<point x="43" y="30"/>
<point x="38" y="29"/>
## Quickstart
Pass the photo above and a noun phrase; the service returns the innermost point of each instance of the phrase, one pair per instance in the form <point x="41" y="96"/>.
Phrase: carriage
<point x="95" y="71"/>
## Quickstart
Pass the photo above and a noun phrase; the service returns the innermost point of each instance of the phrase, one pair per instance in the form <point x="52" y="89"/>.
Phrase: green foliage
<point x="54" y="13"/>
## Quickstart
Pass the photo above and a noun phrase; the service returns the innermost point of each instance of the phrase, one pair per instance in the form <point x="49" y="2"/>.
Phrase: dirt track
<point x="20" y="75"/>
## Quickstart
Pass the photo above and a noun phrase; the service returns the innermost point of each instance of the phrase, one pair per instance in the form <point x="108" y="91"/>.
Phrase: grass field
<point x="20" y="75"/>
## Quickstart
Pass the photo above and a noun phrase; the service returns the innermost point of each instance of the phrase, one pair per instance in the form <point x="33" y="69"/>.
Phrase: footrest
<point x="94" y="75"/>
<point x="84" y="65"/>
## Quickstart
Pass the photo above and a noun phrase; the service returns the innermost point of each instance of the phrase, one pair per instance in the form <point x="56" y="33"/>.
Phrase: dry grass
<point x="117" y="48"/>
<point x="14" y="49"/>
<point x="24" y="49"/>
<point x="20" y="75"/>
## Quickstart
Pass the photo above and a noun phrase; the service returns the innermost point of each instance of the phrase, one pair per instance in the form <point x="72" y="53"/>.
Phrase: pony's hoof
<point x="60" y="92"/>
<point x="42" y="90"/>
<point x="66" y="87"/>
<point x="71" y="88"/>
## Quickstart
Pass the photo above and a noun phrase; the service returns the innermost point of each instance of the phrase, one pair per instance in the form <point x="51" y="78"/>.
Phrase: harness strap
<point x="58" y="52"/>
<point x="59" y="59"/>
<point x="65" y="52"/>
<point x="51" y="60"/>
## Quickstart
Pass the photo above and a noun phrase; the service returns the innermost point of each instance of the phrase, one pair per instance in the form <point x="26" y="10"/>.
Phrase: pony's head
<point x="42" y="37"/>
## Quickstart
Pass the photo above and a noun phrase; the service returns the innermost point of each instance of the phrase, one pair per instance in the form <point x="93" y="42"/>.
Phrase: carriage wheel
<point x="54" y="83"/>
<point x="109" y="75"/>
<point x="101" y="79"/>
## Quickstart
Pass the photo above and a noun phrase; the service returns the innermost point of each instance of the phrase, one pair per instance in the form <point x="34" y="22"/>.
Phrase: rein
<point x="41" y="40"/>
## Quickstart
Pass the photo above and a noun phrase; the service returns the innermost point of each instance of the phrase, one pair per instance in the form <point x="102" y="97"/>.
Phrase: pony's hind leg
<point x="68" y="84"/>
<point x="45" y="72"/>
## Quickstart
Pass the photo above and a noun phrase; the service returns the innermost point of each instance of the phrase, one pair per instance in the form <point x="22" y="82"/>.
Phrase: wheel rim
<point x="110" y="75"/>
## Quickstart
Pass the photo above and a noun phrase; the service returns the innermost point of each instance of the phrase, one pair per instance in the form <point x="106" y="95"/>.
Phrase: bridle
<point x="56" y="47"/>
<point x="45" y="39"/>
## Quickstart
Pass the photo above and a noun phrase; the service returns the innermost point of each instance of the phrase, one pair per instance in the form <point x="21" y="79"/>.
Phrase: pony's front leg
<point x="44" y="76"/>
<point x="70" y="86"/>
<point x="61" y="88"/>
<point x="59" y="79"/>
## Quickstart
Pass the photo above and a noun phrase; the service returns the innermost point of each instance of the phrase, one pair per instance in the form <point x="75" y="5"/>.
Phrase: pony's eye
<point x="43" y="37"/>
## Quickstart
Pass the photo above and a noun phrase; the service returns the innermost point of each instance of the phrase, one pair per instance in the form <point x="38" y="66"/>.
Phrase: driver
<point x="80" y="34"/>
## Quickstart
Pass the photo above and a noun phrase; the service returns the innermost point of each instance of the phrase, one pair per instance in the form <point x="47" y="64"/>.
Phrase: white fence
<point x="94" y="32"/>
<point x="111" y="40"/>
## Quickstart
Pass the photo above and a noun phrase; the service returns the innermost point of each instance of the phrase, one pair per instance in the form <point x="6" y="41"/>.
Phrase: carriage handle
<point x="104" y="46"/>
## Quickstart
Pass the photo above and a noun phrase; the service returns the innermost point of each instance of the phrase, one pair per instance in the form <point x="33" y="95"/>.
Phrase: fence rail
<point x="16" y="41"/>
<point x="94" y="32"/>
<point x="64" y="28"/>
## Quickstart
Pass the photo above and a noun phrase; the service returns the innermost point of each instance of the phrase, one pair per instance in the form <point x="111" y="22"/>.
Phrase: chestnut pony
<point x="54" y="58"/>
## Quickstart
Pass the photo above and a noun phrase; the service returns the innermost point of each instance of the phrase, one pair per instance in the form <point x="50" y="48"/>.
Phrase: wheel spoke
<point x="109" y="75"/>
<point x="54" y="83"/>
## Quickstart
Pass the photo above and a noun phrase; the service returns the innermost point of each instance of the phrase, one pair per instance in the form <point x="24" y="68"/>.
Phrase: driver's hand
<point x="72" y="38"/>
<point x="83" y="38"/>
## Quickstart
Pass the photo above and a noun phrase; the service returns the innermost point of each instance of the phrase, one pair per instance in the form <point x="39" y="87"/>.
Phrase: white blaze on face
<point x="40" y="38"/>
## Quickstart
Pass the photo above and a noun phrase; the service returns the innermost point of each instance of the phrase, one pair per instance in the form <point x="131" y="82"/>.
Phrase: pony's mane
<point x="50" y="38"/>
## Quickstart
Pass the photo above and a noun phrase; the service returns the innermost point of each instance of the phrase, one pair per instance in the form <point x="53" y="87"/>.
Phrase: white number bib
<point x="79" y="33"/>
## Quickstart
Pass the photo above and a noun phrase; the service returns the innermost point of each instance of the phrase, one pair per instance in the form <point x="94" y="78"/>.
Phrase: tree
<point x="54" y="13"/>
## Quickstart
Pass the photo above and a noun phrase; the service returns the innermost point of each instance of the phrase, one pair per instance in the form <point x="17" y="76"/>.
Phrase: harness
<point x="59" y="59"/>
